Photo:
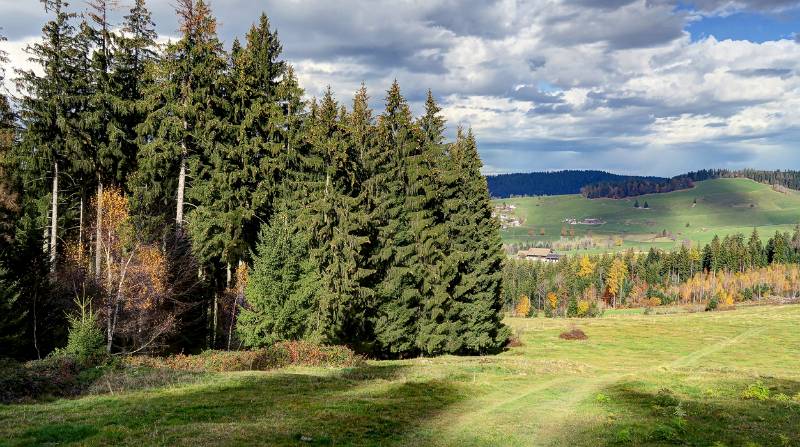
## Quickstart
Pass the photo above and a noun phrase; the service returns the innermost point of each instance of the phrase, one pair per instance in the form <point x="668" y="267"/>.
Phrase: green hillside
<point x="722" y="206"/>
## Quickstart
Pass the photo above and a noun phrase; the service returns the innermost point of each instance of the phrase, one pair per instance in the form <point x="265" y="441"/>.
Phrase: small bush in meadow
<point x="757" y="391"/>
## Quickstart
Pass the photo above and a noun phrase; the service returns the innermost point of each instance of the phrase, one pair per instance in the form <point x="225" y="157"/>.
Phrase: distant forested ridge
<point x="789" y="179"/>
<point x="556" y="182"/>
<point x="601" y="184"/>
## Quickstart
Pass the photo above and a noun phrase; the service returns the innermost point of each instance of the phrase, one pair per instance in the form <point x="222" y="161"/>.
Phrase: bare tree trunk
<point x="181" y="179"/>
<point x="214" y="323"/>
<point x="54" y="220"/>
<point x="80" y="231"/>
<point x="35" y="337"/>
<point x="109" y="305"/>
<point x="181" y="186"/>
<point x="98" y="249"/>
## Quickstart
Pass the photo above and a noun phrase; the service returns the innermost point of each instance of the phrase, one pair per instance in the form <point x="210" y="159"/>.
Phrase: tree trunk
<point x="98" y="249"/>
<point x="181" y="178"/>
<point x="35" y="323"/>
<point x="54" y="220"/>
<point x="110" y="308"/>
<point x="214" y="323"/>
<point x="80" y="231"/>
<point x="181" y="186"/>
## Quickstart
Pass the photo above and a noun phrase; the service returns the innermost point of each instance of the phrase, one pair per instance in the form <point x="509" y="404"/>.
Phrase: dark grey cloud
<point x="631" y="25"/>
<point x="764" y="72"/>
<point x="532" y="93"/>
<point x="603" y="4"/>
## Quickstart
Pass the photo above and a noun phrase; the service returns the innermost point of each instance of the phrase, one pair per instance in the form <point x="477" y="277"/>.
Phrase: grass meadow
<point x="708" y="379"/>
<point x="724" y="206"/>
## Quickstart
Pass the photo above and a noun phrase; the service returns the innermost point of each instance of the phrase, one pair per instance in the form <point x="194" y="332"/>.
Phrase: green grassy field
<point x="724" y="206"/>
<point x="637" y="380"/>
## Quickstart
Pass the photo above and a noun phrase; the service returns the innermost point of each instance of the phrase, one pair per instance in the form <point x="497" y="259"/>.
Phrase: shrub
<point x="654" y="301"/>
<point x="53" y="376"/>
<point x="276" y="356"/>
<point x="583" y="308"/>
<point x="713" y="303"/>
<point x="523" y="307"/>
<point x="85" y="342"/>
<point x="757" y="391"/>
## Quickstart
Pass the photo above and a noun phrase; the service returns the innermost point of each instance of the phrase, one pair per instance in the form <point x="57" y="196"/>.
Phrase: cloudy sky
<point x="632" y="86"/>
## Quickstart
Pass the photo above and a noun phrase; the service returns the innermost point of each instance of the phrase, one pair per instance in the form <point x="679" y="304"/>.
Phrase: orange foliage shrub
<point x="523" y="307"/>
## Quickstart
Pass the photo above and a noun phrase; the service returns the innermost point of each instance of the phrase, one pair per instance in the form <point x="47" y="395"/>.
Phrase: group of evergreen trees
<point x="655" y="274"/>
<point x="786" y="178"/>
<point x="635" y="187"/>
<point x="339" y="226"/>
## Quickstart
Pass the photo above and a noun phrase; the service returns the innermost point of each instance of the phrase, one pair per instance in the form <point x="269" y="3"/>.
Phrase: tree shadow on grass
<point x="713" y="418"/>
<point x="372" y="405"/>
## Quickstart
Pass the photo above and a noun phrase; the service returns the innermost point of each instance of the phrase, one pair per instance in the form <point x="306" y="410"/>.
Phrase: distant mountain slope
<point x="713" y="207"/>
<point x="555" y="183"/>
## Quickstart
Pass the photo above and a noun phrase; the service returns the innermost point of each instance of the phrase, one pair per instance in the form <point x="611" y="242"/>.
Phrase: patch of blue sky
<point x="747" y="26"/>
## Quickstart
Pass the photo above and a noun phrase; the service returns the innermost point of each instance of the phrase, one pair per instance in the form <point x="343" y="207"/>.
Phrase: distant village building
<point x="539" y="254"/>
<point x="503" y="213"/>
<point x="586" y="221"/>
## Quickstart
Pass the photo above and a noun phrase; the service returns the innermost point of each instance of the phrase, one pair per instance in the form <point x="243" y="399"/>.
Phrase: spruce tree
<point x="426" y="206"/>
<point x="8" y="137"/>
<point x="133" y="50"/>
<point x="48" y="113"/>
<point x="12" y="315"/>
<point x="281" y="289"/>
<point x="398" y="287"/>
<point x="477" y="250"/>
<point x="243" y="174"/>
<point x="184" y="121"/>
<point x="337" y="222"/>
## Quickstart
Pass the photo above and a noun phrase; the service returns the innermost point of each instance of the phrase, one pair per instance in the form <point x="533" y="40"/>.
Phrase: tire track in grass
<point x="689" y="359"/>
<point x="575" y="397"/>
<point x="547" y="418"/>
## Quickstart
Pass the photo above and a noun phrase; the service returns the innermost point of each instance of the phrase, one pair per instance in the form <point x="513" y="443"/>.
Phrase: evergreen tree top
<point x="139" y="27"/>
<point x="432" y="123"/>
<point x="196" y="20"/>
<point x="396" y="105"/>
<point x="361" y="111"/>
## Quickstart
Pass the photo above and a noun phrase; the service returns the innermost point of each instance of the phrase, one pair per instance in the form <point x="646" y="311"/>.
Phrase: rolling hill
<point x="720" y="206"/>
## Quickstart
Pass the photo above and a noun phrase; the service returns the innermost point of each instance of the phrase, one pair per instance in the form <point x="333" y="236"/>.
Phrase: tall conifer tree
<point x="474" y="313"/>
<point x="185" y="109"/>
<point x="397" y="289"/>
<point x="426" y="202"/>
<point x="48" y="114"/>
